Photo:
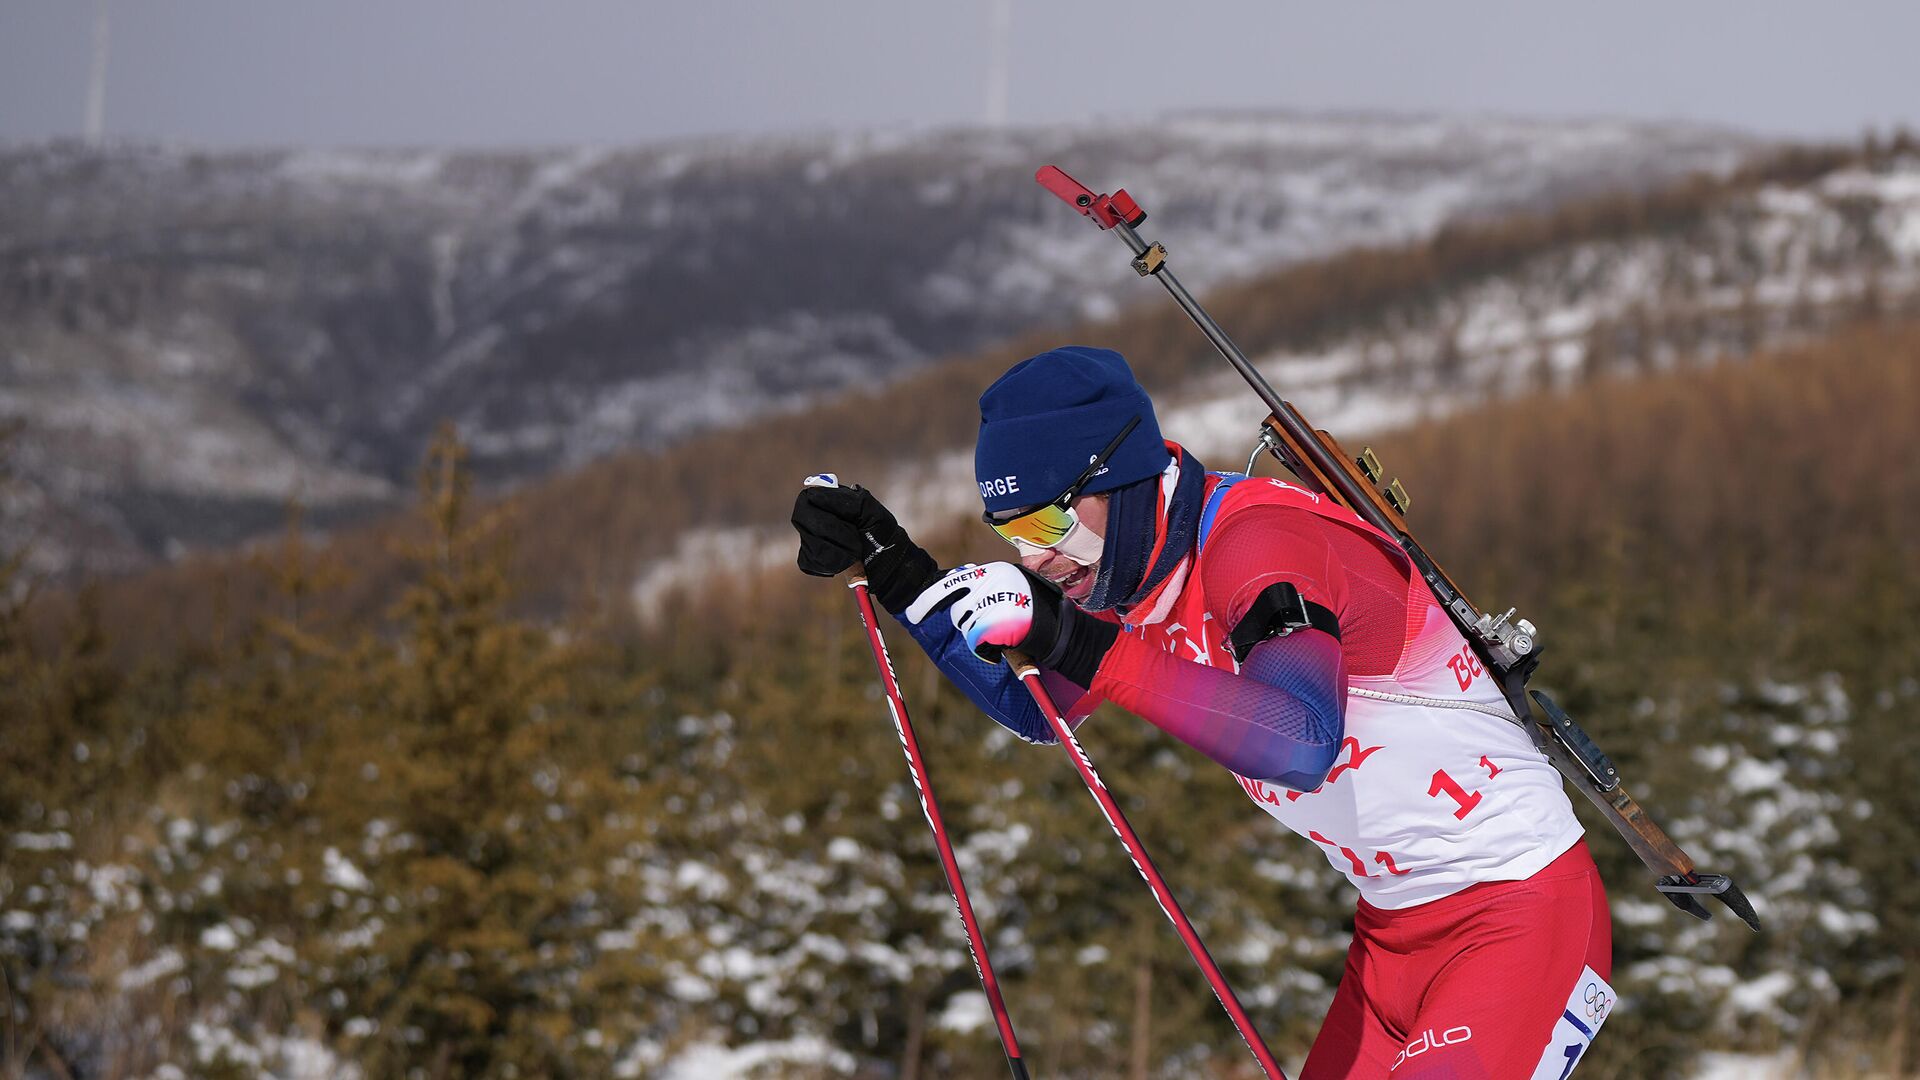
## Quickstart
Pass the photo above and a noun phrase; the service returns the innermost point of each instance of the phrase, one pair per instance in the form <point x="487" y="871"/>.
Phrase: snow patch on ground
<point x="1778" y="1066"/>
<point x="716" y="1062"/>
<point x="966" y="1011"/>
<point x="342" y="874"/>
<point x="164" y="963"/>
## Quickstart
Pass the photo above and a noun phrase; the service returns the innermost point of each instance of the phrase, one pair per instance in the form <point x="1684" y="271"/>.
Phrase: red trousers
<point x="1506" y="979"/>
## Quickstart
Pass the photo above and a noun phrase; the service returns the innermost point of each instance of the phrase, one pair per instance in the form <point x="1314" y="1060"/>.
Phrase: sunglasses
<point x="1048" y="524"/>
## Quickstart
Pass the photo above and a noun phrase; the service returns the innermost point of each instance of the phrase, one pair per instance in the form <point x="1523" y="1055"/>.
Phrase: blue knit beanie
<point x="1047" y="417"/>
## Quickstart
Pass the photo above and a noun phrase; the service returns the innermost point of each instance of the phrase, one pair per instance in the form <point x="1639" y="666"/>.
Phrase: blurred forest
<point x="425" y="802"/>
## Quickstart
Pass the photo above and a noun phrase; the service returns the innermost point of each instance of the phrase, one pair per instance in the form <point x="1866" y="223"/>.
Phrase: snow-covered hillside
<point x="192" y="338"/>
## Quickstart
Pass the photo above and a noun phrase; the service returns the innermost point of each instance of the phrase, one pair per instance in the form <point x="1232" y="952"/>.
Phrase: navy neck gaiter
<point x="1133" y="524"/>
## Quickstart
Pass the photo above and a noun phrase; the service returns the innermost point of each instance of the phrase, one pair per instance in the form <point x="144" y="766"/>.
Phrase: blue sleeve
<point x="1280" y="719"/>
<point x="993" y="687"/>
<point x="1302" y="737"/>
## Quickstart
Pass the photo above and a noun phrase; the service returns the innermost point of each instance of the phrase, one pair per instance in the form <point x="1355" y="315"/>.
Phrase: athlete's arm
<point x="1280" y="719"/>
<point x="993" y="687"/>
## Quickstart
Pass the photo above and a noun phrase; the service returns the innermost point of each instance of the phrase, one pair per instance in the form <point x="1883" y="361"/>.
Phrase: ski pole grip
<point x="1021" y="663"/>
<point x="853" y="576"/>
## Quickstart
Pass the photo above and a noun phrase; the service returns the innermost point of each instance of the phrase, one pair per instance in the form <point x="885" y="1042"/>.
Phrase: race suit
<point x="1482" y="940"/>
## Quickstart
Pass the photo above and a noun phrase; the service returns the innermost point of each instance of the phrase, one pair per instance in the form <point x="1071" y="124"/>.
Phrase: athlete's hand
<point x="840" y="526"/>
<point x="996" y="607"/>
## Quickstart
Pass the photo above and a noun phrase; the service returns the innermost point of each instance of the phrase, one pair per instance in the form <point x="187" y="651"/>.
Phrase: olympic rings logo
<point x="1598" y="1001"/>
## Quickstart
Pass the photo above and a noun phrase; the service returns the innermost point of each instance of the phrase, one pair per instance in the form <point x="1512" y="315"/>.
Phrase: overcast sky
<point x="493" y="73"/>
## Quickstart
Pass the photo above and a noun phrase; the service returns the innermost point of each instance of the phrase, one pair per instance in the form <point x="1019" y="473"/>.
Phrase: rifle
<point x="1510" y="650"/>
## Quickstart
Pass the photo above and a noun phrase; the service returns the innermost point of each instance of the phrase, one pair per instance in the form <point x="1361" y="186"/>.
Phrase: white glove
<point x="991" y="605"/>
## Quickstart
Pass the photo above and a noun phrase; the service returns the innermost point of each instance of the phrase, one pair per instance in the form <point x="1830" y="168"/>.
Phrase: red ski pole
<point x="1024" y="668"/>
<point x="856" y="580"/>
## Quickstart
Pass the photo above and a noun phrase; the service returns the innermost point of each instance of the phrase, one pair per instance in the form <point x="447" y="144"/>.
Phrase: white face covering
<point x="1082" y="546"/>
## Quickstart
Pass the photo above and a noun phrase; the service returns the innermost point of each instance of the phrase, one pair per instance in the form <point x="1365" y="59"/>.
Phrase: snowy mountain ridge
<point x="193" y="338"/>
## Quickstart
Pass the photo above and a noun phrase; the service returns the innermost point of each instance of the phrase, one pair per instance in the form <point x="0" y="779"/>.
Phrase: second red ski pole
<point x="1024" y="668"/>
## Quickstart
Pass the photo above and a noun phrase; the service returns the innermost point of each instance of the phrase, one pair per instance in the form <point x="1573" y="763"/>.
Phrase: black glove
<point x="1065" y="639"/>
<point x="841" y="526"/>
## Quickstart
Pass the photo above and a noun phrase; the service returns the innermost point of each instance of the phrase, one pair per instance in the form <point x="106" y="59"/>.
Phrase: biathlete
<point x="1290" y="642"/>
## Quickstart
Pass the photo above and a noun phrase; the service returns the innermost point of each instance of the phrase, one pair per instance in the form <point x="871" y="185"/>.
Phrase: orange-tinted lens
<point x="1044" y="527"/>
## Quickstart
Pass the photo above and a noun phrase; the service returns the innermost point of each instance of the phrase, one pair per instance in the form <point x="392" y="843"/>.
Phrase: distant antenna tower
<point x="97" y="80"/>
<point x="1000" y="34"/>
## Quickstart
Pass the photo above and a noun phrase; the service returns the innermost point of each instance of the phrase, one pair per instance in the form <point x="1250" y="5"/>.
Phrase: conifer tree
<point x="479" y="839"/>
